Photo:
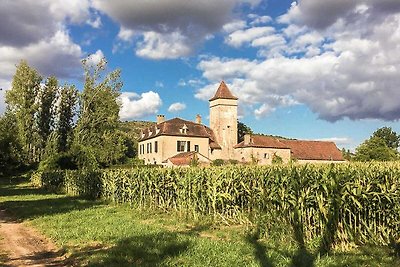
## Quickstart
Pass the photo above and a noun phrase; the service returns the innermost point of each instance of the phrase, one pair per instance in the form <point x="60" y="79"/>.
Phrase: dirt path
<point x="24" y="246"/>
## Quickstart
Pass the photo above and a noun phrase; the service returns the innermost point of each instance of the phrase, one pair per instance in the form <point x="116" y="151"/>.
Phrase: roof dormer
<point x="184" y="129"/>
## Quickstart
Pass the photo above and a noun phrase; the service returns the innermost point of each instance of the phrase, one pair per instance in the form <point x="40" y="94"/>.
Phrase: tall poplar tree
<point x="22" y="101"/>
<point x="46" y="111"/>
<point x="68" y="96"/>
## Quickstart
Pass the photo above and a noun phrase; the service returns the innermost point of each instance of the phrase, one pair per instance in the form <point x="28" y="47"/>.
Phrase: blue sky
<point x="309" y="69"/>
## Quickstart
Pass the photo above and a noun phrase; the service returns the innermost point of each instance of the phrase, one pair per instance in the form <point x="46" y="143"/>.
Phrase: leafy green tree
<point x="375" y="148"/>
<point x="95" y="133"/>
<point x="45" y="112"/>
<point x="347" y="155"/>
<point x="243" y="129"/>
<point x="68" y="97"/>
<point x="21" y="100"/>
<point x="391" y="138"/>
<point x="10" y="156"/>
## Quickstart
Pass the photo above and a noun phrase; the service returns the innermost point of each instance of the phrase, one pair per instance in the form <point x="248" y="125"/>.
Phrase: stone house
<point x="178" y="142"/>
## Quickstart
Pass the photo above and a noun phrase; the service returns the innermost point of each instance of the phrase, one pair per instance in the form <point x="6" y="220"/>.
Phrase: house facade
<point x="179" y="142"/>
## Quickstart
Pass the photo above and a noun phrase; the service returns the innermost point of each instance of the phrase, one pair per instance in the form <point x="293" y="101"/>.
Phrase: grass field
<point x="95" y="233"/>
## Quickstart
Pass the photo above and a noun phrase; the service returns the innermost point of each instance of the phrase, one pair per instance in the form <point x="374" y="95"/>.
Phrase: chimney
<point x="247" y="139"/>
<point x="160" y="119"/>
<point x="198" y="119"/>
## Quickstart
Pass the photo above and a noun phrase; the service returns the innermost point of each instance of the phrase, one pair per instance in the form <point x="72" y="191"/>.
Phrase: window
<point x="196" y="148"/>
<point x="140" y="150"/>
<point x="155" y="147"/>
<point x="147" y="151"/>
<point x="266" y="156"/>
<point x="150" y="144"/>
<point x="180" y="146"/>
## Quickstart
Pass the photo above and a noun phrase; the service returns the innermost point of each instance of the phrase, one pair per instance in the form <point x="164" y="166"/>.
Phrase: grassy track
<point x="99" y="234"/>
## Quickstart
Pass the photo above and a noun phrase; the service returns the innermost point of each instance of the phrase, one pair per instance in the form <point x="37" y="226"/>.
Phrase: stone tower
<point x="223" y="120"/>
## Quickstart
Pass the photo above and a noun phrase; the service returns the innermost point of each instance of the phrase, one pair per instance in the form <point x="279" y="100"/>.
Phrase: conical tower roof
<point x="223" y="92"/>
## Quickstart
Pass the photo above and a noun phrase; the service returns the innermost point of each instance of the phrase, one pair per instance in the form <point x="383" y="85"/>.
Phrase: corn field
<point x="355" y="202"/>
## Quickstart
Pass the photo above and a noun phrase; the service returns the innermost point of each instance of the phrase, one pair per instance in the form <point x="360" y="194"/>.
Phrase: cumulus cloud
<point x="176" y="107"/>
<point x="163" y="46"/>
<point x="25" y="22"/>
<point x="343" y="64"/>
<point x="94" y="59"/>
<point x="136" y="106"/>
<point x="170" y="28"/>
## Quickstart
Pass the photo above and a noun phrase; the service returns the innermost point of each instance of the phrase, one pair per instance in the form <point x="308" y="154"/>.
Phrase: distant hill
<point x="132" y="128"/>
<point x="277" y="136"/>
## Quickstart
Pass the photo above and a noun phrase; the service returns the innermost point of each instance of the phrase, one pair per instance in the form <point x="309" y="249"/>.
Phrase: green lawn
<point x="99" y="234"/>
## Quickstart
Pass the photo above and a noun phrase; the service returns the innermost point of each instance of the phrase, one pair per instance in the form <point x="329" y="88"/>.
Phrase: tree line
<point x="53" y="126"/>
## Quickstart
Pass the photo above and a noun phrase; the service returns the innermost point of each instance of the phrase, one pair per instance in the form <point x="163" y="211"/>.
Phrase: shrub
<point x="218" y="162"/>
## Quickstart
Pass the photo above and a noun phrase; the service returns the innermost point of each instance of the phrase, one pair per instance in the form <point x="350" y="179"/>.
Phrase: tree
<point x="243" y="129"/>
<point x="21" y="100"/>
<point x="96" y="131"/>
<point x="375" y="148"/>
<point x="10" y="156"/>
<point x="68" y="96"/>
<point x="391" y="138"/>
<point x="45" y="111"/>
<point x="347" y="155"/>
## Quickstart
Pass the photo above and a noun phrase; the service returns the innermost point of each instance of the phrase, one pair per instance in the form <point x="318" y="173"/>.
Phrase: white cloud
<point x="95" y="22"/>
<point x="176" y="107"/>
<point x="170" y="28"/>
<point x="256" y="19"/>
<point x="341" y="65"/>
<point x="126" y="34"/>
<point x="234" y="26"/>
<point x="239" y="37"/>
<point x="94" y="59"/>
<point x="136" y="107"/>
<point x="163" y="46"/>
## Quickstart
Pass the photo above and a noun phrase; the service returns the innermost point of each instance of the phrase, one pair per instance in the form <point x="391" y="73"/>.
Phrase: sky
<point x="311" y="69"/>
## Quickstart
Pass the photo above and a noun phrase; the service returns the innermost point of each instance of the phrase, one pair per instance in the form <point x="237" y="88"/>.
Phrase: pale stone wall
<point x="263" y="155"/>
<point x="223" y="121"/>
<point x="167" y="147"/>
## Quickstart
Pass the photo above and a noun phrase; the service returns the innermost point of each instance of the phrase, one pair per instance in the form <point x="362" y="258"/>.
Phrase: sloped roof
<point x="314" y="150"/>
<point x="262" y="141"/>
<point x="173" y="128"/>
<point x="185" y="158"/>
<point x="300" y="149"/>
<point x="223" y="92"/>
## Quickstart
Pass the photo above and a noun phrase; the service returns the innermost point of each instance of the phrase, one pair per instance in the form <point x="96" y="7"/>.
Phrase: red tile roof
<point x="185" y="158"/>
<point x="300" y="149"/>
<point x="262" y="141"/>
<point x="223" y="92"/>
<point x="314" y="150"/>
<point x="173" y="128"/>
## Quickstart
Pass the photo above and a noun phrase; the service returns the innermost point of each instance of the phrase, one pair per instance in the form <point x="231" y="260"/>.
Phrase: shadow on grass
<point x="18" y="186"/>
<point x="28" y="202"/>
<point x="260" y="250"/>
<point x="143" y="250"/>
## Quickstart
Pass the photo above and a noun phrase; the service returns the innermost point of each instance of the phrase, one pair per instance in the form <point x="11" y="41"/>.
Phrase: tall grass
<point x="357" y="202"/>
